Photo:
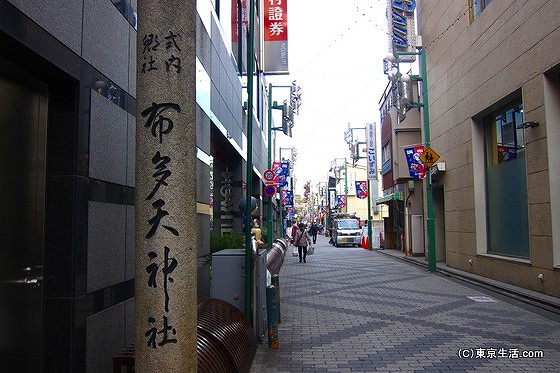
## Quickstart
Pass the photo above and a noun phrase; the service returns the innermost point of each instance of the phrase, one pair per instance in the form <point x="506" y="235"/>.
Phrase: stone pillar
<point x="166" y="221"/>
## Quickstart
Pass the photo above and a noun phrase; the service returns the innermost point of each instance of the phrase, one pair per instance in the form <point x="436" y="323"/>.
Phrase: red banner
<point x="276" y="20"/>
<point x="276" y="36"/>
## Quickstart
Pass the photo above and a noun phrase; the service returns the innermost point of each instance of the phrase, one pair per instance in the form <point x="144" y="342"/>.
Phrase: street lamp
<point x="353" y="145"/>
<point x="270" y="129"/>
<point x="336" y="169"/>
<point x="423" y="77"/>
<point x="287" y="124"/>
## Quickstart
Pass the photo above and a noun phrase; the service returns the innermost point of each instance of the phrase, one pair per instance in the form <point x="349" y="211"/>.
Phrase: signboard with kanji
<point x="276" y="36"/>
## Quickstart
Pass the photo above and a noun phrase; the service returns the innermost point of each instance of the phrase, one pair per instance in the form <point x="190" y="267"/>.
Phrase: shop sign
<point x="276" y="36"/>
<point x="400" y="14"/>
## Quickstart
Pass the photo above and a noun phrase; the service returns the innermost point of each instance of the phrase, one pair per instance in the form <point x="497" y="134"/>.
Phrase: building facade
<point x="493" y="76"/>
<point x="403" y="228"/>
<point x="68" y="123"/>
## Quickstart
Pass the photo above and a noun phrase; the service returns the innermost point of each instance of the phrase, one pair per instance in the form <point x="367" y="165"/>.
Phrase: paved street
<point x="353" y="310"/>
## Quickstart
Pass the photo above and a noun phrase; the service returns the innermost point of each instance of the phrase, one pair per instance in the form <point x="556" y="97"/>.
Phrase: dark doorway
<point x="23" y="123"/>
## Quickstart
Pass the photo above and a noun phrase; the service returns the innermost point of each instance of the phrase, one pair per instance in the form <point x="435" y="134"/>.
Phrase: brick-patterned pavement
<point x="353" y="310"/>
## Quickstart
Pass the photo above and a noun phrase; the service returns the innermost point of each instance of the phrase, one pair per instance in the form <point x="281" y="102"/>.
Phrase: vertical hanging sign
<point x="239" y="26"/>
<point x="276" y="37"/>
<point x="402" y="30"/>
<point x="370" y="147"/>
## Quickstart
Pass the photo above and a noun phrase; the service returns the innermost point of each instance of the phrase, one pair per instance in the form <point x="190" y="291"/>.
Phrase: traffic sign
<point x="429" y="157"/>
<point x="269" y="190"/>
<point x="269" y="175"/>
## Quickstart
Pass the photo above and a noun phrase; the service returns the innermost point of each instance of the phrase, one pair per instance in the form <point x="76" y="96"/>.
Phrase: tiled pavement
<point x="353" y="310"/>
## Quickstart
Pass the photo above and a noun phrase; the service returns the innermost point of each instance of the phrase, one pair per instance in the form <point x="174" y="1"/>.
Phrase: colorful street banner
<point x="370" y="148"/>
<point x="285" y="168"/>
<point x="281" y="168"/>
<point x="276" y="167"/>
<point x="276" y="37"/>
<point x="282" y="180"/>
<point x="341" y="199"/>
<point x="506" y="153"/>
<point x="361" y="189"/>
<point x="415" y="167"/>
<point x="289" y="209"/>
<point x="287" y="197"/>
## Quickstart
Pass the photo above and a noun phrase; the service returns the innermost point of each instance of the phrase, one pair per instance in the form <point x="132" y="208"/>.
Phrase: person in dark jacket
<point x="313" y="232"/>
<point x="301" y="240"/>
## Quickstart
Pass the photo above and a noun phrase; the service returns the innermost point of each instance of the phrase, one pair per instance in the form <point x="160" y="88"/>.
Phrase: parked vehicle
<point x="346" y="232"/>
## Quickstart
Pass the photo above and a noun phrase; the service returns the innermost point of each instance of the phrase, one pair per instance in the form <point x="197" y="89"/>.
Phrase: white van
<point x="346" y="232"/>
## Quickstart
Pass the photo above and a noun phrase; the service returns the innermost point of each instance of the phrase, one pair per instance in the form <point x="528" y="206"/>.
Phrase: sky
<point x="336" y="57"/>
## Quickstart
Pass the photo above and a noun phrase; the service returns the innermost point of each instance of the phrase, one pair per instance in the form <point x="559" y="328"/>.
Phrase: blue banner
<point x="361" y="189"/>
<point x="415" y="167"/>
<point x="341" y="199"/>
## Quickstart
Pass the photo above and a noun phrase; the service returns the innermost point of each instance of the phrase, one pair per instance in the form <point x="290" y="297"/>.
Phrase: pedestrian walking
<point x="302" y="240"/>
<point x="294" y="229"/>
<point x="313" y="232"/>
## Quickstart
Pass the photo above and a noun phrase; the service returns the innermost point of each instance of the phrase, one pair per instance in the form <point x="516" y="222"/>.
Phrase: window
<point x="506" y="182"/>
<point x="476" y="7"/>
<point x="386" y="158"/>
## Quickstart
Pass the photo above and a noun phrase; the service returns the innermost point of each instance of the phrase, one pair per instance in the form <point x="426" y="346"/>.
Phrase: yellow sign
<point x="429" y="157"/>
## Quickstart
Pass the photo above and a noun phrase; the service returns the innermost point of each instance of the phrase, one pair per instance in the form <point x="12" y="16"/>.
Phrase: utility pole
<point x="423" y="77"/>
<point x="165" y="202"/>
<point x="250" y="93"/>
<point x="271" y="106"/>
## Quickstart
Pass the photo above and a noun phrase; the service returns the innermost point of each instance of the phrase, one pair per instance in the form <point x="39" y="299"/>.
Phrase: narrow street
<point x="353" y="310"/>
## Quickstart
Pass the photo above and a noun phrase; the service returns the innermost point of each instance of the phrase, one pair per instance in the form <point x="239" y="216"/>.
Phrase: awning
<point x="388" y="198"/>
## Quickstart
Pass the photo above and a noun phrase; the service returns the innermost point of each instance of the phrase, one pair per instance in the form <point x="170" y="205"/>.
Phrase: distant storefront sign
<point x="371" y="141"/>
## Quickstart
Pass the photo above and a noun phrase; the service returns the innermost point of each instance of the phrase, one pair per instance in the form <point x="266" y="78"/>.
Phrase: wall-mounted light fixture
<point x="530" y="124"/>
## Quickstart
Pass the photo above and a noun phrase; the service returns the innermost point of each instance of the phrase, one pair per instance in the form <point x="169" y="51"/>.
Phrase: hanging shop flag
<point x="287" y="198"/>
<point x="282" y="180"/>
<point x="415" y="167"/>
<point x="361" y="189"/>
<point x="370" y="147"/>
<point x="341" y="199"/>
<point x="276" y="37"/>
<point x="285" y="168"/>
<point x="289" y="212"/>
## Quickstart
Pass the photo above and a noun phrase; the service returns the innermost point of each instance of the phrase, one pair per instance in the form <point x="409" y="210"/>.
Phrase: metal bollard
<point x="275" y="280"/>
<point x="272" y="317"/>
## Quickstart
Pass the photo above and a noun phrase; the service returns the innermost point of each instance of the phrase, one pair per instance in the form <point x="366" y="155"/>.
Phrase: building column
<point x="166" y="224"/>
